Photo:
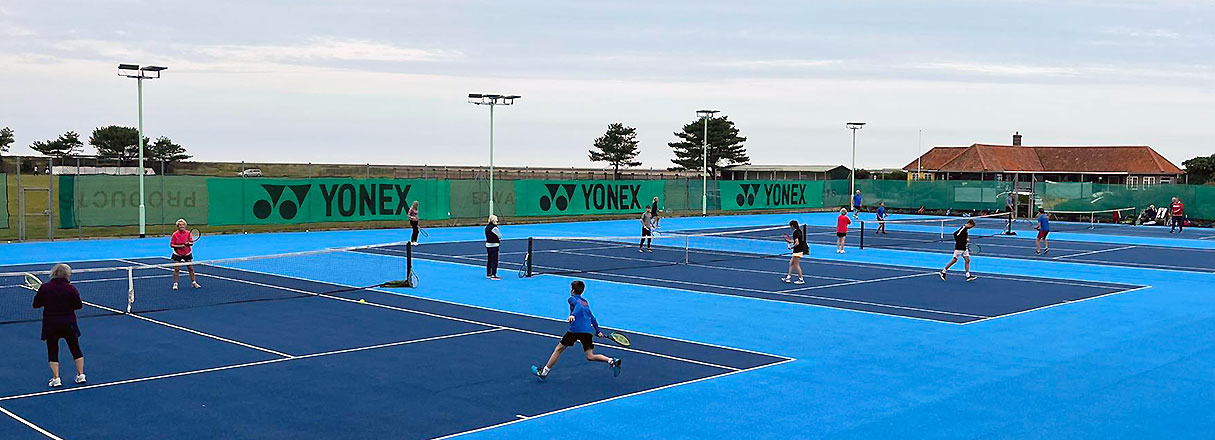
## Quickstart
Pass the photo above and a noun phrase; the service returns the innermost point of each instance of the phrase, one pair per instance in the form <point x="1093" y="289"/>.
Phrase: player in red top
<point x="183" y="252"/>
<point x="1177" y="210"/>
<point x="841" y="230"/>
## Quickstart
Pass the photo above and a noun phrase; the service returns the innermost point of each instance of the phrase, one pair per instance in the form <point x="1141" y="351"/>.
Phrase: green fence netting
<point x="534" y="198"/>
<point x="105" y="200"/>
<point x="1087" y="196"/>
<point x="686" y="195"/>
<point x="256" y="201"/>
<point x="4" y="199"/>
<point x="934" y="195"/>
<point x="470" y="198"/>
<point x="741" y="195"/>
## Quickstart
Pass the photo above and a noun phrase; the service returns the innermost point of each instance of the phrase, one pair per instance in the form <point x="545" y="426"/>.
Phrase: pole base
<point x="143" y="236"/>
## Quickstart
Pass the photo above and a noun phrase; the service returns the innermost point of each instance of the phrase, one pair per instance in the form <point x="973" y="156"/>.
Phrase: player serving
<point x="182" y="243"/>
<point x="583" y="327"/>
<point x="797" y="242"/>
<point x="961" y="238"/>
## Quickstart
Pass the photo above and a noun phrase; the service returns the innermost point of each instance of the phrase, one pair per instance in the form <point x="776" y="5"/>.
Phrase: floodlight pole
<point x="704" y="174"/>
<point x="140" y="73"/>
<point x="854" y="126"/>
<point x="491" y="100"/>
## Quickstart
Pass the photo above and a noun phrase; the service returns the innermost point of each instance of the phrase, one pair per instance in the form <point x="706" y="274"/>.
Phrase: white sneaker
<point x="80" y="378"/>
<point x="174" y="286"/>
<point x="195" y="284"/>
<point x="841" y="251"/>
<point x="786" y="279"/>
<point x="55" y="382"/>
<point x="799" y="281"/>
<point x="413" y="243"/>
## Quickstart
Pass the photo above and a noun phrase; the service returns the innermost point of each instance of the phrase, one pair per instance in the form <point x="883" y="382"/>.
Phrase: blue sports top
<point x="881" y="213"/>
<point x="1043" y="223"/>
<point x="584" y="320"/>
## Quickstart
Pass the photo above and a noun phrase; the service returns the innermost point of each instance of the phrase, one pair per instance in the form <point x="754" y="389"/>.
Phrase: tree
<point x="725" y="146"/>
<point x="6" y="141"/>
<point x="618" y="146"/>
<point x="115" y="142"/>
<point x="66" y="145"/>
<point x="164" y="149"/>
<point x="1200" y="170"/>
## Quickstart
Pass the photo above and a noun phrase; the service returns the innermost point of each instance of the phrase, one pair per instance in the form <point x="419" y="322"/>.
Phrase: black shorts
<point x="182" y="258"/>
<point x="646" y="232"/>
<point x="584" y="338"/>
<point x="841" y="234"/>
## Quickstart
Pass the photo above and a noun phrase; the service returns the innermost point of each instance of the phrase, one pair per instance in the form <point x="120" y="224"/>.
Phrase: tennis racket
<point x="413" y="280"/>
<point x="195" y="234"/>
<point x="619" y="339"/>
<point x="32" y="282"/>
<point x="422" y="232"/>
<point x="974" y="248"/>
<point x="788" y="240"/>
<point x="523" y="269"/>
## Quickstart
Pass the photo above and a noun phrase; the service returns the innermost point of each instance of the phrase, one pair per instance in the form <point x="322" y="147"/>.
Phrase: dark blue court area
<point x="254" y="354"/>
<point x="705" y="265"/>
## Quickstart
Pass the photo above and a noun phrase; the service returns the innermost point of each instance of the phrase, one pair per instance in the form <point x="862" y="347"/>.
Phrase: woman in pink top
<point x="183" y="252"/>
<point x="841" y="230"/>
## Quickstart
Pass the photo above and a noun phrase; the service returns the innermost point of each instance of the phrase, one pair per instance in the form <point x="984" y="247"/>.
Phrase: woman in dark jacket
<point x="493" y="239"/>
<point x="59" y="301"/>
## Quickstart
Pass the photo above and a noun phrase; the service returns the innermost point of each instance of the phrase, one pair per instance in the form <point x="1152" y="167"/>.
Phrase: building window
<point x="1149" y="180"/>
<point x="1132" y="181"/>
<point x="1166" y="180"/>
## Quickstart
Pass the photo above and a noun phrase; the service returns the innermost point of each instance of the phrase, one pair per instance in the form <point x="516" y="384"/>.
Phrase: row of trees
<point x="618" y="147"/>
<point x="111" y="142"/>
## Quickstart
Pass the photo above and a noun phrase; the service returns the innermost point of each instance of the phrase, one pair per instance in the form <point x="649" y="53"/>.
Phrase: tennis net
<point x="573" y="255"/>
<point x="1080" y="220"/>
<point x="145" y="285"/>
<point x="903" y="233"/>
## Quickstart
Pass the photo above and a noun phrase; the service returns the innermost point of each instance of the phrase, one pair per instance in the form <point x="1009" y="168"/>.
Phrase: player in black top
<point x="960" y="239"/>
<point x="797" y="242"/>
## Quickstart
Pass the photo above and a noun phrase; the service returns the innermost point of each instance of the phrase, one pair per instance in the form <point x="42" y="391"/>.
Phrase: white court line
<point x="30" y="424"/>
<point x="190" y="330"/>
<point x="622" y="396"/>
<point x="640" y="260"/>
<point x="435" y="315"/>
<point x="827" y="286"/>
<point x="1095" y="252"/>
<point x="1056" y="305"/>
<point x="248" y="364"/>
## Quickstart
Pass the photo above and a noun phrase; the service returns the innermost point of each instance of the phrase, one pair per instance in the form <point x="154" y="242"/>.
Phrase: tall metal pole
<point x="852" y="176"/>
<point x="704" y="181"/>
<point x="919" y="148"/>
<point x="142" y="212"/>
<point x="491" y="159"/>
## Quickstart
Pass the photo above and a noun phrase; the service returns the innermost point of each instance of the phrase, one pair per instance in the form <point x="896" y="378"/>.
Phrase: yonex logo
<point x="773" y="194"/>
<point x="559" y="195"/>
<point x="288" y="209"/>
<point x="747" y="198"/>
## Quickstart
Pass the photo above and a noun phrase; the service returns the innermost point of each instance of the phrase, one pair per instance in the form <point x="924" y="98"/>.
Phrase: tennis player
<point x="647" y="224"/>
<point x="583" y="327"/>
<point x="1177" y="210"/>
<point x="654" y="210"/>
<point x="960" y="238"/>
<point x="183" y="252"/>
<point x="493" y="239"/>
<point x="881" y="218"/>
<point x="841" y="230"/>
<point x="797" y="242"/>
<point x="856" y="204"/>
<point x="59" y="301"/>
<point x="1041" y="247"/>
<point x="413" y="222"/>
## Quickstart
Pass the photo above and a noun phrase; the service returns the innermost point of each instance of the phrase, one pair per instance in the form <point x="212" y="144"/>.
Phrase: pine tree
<point x="617" y="146"/>
<point x="725" y="146"/>
<point x="6" y="141"/>
<point x="116" y="142"/>
<point x="66" y="145"/>
<point x="165" y="150"/>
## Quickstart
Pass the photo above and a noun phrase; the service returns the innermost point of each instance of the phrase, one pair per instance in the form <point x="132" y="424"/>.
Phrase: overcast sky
<point x="385" y="81"/>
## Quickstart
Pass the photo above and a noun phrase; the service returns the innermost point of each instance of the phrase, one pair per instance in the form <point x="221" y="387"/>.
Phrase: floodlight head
<point x="153" y="68"/>
<point x="706" y="113"/>
<point x="128" y="67"/>
<point x="855" y="125"/>
<point x="474" y="96"/>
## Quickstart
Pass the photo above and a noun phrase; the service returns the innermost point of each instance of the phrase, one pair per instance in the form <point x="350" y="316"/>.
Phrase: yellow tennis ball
<point x="362" y="301"/>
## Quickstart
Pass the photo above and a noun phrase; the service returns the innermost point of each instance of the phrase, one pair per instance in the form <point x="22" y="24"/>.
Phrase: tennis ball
<point x="362" y="301"/>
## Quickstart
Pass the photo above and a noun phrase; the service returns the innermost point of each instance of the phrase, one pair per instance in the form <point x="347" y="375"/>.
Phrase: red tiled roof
<point x="1004" y="158"/>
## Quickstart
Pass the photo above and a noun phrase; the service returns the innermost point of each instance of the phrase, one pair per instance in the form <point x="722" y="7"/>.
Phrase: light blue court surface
<point x="1135" y="364"/>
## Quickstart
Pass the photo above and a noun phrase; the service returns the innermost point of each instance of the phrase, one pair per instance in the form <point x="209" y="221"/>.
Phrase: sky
<point x="385" y="82"/>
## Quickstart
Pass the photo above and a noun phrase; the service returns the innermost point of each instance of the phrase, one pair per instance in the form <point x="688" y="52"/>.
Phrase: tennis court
<point x="255" y="354"/>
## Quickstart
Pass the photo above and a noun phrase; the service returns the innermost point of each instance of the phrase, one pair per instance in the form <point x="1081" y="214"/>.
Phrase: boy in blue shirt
<point x="1043" y="227"/>
<point x="583" y="327"/>
<point x="881" y="218"/>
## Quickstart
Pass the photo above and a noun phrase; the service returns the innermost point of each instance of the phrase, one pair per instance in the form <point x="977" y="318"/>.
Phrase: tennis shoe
<point x="55" y="382"/>
<point x="1045" y="251"/>
<point x="971" y="278"/>
<point x="649" y="250"/>
<point x="195" y="284"/>
<point x="942" y="274"/>
<point x="413" y="243"/>
<point x="615" y="364"/>
<point x="495" y="278"/>
<point x="640" y="250"/>
<point x="174" y="286"/>
<point x="80" y="378"/>
<point x="536" y="372"/>
<point x="1037" y="252"/>
<point x="799" y="281"/>
<point x="787" y="279"/>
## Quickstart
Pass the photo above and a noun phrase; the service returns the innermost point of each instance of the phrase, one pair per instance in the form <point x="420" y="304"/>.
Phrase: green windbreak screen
<point x="686" y="195"/>
<point x="1199" y="200"/>
<point x="251" y="201"/>
<point x="103" y="200"/>
<point x="770" y="194"/>
<point x="580" y="197"/>
<point x="470" y="198"/>
<point x="935" y="195"/>
<point x="4" y="199"/>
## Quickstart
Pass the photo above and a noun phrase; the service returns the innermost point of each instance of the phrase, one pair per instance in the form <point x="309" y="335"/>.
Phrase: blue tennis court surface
<point x="1080" y="343"/>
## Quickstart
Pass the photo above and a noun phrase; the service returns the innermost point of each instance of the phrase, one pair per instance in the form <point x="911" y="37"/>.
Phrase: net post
<point x="528" y="261"/>
<point x="1008" y="224"/>
<point x="409" y="264"/>
<point x="862" y="234"/>
<point x="130" y="288"/>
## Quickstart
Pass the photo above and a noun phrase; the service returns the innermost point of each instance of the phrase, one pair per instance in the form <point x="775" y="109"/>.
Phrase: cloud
<point x="778" y="64"/>
<point x="1144" y="33"/>
<point x="100" y="48"/>
<point x="329" y="49"/>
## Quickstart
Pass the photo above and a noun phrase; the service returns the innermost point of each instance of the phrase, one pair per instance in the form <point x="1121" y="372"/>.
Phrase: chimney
<point x="1017" y="139"/>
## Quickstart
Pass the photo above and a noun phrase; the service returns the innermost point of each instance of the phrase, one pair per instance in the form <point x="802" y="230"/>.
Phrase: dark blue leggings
<point x="491" y="264"/>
